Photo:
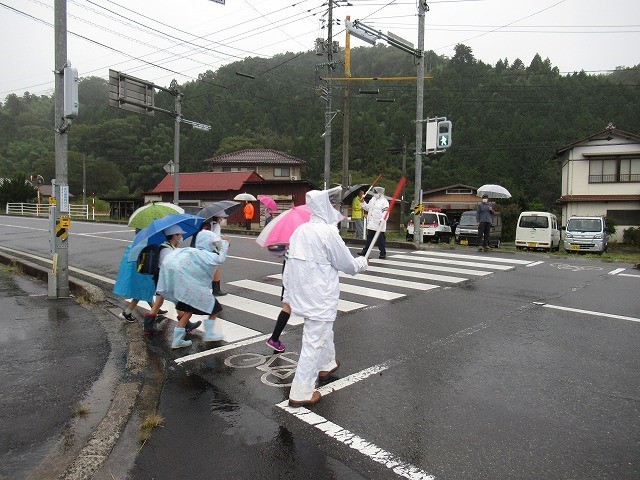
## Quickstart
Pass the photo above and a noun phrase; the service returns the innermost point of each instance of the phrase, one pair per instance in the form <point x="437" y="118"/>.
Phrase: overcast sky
<point x="158" y="40"/>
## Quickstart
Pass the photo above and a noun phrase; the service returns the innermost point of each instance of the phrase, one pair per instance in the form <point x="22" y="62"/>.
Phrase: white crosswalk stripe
<point x="365" y="291"/>
<point x="420" y="264"/>
<point x="484" y="258"/>
<point x="343" y="305"/>
<point x="448" y="261"/>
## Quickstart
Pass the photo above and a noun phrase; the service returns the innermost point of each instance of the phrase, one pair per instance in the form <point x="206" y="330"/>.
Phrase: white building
<point x="601" y="176"/>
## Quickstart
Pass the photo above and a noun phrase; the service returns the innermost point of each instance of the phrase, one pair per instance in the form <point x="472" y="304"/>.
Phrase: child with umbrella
<point x="185" y="279"/>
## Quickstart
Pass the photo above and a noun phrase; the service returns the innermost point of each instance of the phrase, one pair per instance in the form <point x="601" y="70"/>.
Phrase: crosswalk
<point x="397" y="276"/>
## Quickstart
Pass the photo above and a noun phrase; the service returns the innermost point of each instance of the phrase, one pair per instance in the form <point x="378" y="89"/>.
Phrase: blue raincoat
<point x="186" y="273"/>
<point x="130" y="283"/>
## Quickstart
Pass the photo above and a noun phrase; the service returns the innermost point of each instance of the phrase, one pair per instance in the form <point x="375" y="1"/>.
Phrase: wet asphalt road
<point x="49" y="361"/>
<point x="475" y="381"/>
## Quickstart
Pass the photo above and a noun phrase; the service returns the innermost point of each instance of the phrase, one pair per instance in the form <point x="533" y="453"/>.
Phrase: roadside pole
<point x="58" y="284"/>
<point x="417" y="229"/>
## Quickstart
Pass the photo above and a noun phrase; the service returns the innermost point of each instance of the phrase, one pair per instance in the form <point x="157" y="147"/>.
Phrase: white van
<point x="537" y="230"/>
<point x="586" y="233"/>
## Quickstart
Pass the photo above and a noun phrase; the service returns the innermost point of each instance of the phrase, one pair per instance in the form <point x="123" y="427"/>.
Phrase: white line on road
<point x="420" y="264"/>
<point x="461" y="263"/>
<point x="350" y="439"/>
<point x="534" y="264"/>
<point x="589" y="312"/>
<point x="224" y="348"/>
<point x="488" y="258"/>
<point x="617" y="271"/>
<point x="414" y="274"/>
<point x="257" y="308"/>
<point x="628" y="275"/>
<point x="391" y="282"/>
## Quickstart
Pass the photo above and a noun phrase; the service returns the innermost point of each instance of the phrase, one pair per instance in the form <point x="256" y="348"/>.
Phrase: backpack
<point x="149" y="260"/>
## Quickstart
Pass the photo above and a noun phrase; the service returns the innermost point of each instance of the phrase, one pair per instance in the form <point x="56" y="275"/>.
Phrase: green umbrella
<point x="143" y="216"/>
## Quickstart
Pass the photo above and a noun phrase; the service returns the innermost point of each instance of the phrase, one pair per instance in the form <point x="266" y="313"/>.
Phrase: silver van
<point x="467" y="231"/>
<point x="586" y="233"/>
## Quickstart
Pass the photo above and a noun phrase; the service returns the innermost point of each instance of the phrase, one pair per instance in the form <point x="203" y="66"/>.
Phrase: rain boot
<point x="192" y="326"/>
<point x="150" y="325"/>
<point x="209" y="335"/>
<point x="216" y="289"/>
<point x="178" y="338"/>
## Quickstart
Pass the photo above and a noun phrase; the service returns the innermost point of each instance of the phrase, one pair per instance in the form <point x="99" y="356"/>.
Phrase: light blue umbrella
<point x="153" y="233"/>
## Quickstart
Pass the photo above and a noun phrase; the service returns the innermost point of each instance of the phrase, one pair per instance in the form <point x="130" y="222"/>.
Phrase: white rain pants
<point x="317" y="354"/>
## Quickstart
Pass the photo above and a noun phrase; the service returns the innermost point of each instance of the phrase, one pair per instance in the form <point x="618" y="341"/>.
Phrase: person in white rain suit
<point x="377" y="208"/>
<point x="312" y="288"/>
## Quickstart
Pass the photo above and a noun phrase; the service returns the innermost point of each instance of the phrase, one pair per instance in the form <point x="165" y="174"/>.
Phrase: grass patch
<point x="12" y="269"/>
<point x="82" y="411"/>
<point x="147" y="426"/>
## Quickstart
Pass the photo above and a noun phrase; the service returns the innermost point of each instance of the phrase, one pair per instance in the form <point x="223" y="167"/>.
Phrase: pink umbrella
<point x="268" y="202"/>
<point x="280" y="229"/>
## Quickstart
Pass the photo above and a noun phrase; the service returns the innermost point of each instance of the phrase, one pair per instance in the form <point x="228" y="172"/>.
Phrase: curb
<point x="103" y="439"/>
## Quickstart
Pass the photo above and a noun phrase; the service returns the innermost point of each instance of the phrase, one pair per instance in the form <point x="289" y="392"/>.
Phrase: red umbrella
<point x="268" y="202"/>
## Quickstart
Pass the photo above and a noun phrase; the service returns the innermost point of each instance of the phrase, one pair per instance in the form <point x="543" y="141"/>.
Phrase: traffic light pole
<point x="417" y="228"/>
<point x="58" y="281"/>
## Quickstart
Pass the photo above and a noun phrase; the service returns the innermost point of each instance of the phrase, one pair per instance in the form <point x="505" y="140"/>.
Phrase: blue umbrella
<point x="153" y="234"/>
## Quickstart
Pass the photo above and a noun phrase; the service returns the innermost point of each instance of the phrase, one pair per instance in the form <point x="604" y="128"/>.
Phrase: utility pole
<point x="59" y="277"/>
<point x="404" y="188"/>
<point x="417" y="229"/>
<point x="84" y="179"/>
<point x="327" y="114"/>
<point x="176" y="143"/>
<point x="345" y="123"/>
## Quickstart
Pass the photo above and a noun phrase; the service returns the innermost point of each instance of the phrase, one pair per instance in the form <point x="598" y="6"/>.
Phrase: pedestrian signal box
<point x="444" y="134"/>
<point x="438" y="135"/>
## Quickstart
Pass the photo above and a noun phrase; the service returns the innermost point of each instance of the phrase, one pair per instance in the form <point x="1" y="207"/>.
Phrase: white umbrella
<point x="493" y="191"/>
<point x="245" y="196"/>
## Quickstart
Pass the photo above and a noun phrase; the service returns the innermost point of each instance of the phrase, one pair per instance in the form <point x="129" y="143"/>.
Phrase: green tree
<point x="17" y="190"/>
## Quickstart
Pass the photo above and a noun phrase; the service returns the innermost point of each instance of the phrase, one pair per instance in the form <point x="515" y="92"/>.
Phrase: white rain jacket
<point x="316" y="254"/>
<point x="376" y="207"/>
<point x="186" y="273"/>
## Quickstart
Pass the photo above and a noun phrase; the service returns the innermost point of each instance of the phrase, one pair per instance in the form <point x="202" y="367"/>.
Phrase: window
<point x="282" y="172"/>
<point x="625" y="217"/>
<point x="533" y="221"/>
<point x="614" y="170"/>
<point x="237" y="169"/>
<point x="459" y="191"/>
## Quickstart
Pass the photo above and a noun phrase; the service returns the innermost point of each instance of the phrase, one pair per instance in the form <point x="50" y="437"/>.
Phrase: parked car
<point x="537" y="230"/>
<point x="435" y="227"/>
<point x="467" y="231"/>
<point x="586" y="233"/>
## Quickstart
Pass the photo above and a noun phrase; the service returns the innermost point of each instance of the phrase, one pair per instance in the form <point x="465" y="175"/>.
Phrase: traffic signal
<point x="444" y="134"/>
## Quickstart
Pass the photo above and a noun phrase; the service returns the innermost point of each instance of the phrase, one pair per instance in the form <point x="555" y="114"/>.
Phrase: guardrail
<point x="42" y="210"/>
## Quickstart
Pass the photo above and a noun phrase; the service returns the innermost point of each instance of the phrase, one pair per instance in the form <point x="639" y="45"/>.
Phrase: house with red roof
<point x="601" y="176"/>
<point x="199" y="189"/>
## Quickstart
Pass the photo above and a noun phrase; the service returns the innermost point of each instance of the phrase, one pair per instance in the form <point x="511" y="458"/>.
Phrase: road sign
<point x="130" y="93"/>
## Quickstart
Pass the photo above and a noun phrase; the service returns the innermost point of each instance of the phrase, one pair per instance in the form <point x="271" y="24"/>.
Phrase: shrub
<point x="631" y="236"/>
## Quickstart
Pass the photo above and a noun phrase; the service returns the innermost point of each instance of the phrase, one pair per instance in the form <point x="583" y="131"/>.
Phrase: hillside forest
<point x="508" y="120"/>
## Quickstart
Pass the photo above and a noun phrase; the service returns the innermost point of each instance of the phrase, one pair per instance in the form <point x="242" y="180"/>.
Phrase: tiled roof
<point x="208" y="181"/>
<point x="257" y="156"/>
<point x="607" y="134"/>
<point x="599" y="198"/>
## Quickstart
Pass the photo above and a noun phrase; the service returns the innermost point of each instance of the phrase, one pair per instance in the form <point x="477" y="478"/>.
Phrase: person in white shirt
<point x="312" y="288"/>
<point x="377" y="208"/>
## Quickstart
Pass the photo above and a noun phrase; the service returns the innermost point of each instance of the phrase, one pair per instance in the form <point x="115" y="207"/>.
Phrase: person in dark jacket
<point x="484" y="210"/>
